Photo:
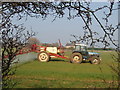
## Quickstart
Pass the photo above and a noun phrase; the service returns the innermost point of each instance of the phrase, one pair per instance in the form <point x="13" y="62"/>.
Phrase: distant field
<point x="59" y="73"/>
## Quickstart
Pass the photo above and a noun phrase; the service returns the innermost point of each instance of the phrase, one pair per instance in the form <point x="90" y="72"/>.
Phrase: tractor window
<point x="83" y="48"/>
<point x="77" y="48"/>
<point x="80" y="48"/>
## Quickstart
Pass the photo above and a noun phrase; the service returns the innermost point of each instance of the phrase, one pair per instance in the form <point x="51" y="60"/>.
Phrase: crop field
<point x="59" y="73"/>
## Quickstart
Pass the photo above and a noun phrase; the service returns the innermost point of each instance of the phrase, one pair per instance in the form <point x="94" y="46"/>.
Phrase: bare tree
<point x="14" y="38"/>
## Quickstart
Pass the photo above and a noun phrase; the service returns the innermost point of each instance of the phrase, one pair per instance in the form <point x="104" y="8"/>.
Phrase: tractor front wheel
<point x="76" y="58"/>
<point x="43" y="57"/>
<point x="95" y="60"/>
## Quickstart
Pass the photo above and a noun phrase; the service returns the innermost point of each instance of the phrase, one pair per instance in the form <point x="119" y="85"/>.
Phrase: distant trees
<point x="107" y="49"/>
<point x="55" y="44"/>
<point x="70" y="45"/>
<point x="32" y="40"/>
<point x="50" y="44"/>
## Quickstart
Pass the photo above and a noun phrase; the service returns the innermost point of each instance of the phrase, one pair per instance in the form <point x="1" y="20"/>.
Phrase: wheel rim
<point x="76" y="58"/>
<point x="95" y="61"/>
<point x="43" y="57"/>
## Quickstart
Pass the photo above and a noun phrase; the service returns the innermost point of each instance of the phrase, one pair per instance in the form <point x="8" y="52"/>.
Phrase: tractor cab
<point x="81" y="48"/>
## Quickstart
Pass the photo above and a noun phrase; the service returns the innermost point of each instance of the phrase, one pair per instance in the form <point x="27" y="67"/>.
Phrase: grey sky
<point x="50" y="32"/>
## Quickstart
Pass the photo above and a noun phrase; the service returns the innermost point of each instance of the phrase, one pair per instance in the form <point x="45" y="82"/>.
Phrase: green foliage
<point x="101" y="49"/>
<point x="60" y="73"/>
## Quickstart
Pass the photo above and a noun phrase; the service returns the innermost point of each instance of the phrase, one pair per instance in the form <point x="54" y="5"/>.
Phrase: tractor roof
<point x="80" y="44"/>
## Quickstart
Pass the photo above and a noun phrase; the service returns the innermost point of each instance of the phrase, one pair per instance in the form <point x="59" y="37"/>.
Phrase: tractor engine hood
<point x="93" y="53"/>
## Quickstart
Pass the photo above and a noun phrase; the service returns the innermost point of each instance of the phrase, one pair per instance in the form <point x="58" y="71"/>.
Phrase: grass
<point x="59" y="73"/>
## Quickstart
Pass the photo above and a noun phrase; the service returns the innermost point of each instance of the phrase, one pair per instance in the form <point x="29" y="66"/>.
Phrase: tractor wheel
<point x="43" y="57"/>
<point x="76" y="58"/>
<point x="95" y="60"/>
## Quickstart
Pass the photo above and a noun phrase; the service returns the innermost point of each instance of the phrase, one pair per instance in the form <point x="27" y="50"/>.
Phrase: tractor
<point x="80" y="54"/>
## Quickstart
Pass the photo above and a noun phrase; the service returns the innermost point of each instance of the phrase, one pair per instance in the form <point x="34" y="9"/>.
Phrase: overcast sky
<point x="49" y="32"/>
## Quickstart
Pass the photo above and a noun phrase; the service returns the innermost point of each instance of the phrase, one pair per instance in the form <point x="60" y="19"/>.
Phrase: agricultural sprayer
<point x="79" y="54"/>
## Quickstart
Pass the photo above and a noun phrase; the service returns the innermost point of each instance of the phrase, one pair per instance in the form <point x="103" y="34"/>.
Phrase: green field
<point x="59" y="73"/>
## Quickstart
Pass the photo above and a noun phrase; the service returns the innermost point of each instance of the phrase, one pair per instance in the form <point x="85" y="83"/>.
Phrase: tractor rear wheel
<point x="76" y="58"/>
<point x="95" y="60"/>
<point x="43" y="56"/>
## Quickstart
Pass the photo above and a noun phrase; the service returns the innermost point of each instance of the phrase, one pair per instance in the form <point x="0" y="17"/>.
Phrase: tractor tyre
<point x="95" y="60"/>
<point x="76" y="58"/>
<point x="43" y="57"/>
